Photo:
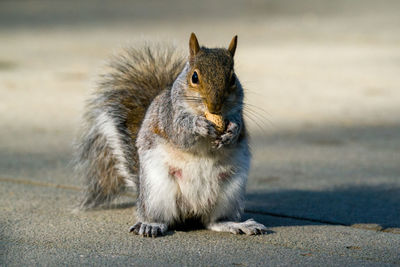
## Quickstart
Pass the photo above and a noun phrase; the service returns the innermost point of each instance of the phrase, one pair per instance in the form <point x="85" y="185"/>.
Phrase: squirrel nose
<point x="214" y="108"/>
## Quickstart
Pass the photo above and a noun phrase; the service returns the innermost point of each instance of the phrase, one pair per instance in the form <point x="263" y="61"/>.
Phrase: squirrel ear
<point x="193" y="45"/>
<point x="232" y="46"/>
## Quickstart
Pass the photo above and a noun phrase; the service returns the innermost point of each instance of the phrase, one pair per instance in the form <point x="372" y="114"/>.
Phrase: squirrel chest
<point x="190" y="184"/>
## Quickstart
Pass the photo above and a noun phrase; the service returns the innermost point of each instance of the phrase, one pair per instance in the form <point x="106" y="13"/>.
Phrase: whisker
<point x="259" y="114"/>
<point x="262" y="122"/>
<point x="257" y="107"/>
<point x="188" y="99"/>
<point x="247" y="92"/>
<point x="192" y="99"/>
<point x="262" y="129"/>
<point x="256" y="117"/>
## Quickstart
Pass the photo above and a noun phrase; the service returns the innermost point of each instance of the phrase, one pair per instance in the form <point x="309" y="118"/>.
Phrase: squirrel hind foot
<point x="249" y="227"/>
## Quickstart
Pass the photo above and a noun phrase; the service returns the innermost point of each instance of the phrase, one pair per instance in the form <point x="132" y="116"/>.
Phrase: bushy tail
<point x="106" y="154"/>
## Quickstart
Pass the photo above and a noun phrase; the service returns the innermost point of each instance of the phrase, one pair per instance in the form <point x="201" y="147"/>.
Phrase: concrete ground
<point x="323" y="92"/>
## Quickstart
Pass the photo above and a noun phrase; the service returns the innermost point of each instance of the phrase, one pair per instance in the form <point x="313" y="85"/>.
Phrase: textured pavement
<point x="322" y="84"/>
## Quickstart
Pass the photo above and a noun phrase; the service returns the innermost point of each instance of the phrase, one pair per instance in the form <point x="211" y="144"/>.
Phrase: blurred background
<point x="322" y="80"/>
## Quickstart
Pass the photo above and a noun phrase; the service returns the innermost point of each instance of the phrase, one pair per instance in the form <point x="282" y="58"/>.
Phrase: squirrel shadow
<point x="358" y="167"/>
<point x="350" y="205"/>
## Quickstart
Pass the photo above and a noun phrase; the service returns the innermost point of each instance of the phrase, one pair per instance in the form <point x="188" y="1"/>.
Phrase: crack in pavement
<point x="37" y="183"/>
<point x="294" y="217"/>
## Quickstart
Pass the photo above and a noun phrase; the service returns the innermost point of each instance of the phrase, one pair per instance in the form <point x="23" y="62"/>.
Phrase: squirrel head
<point x="211" y="75"/>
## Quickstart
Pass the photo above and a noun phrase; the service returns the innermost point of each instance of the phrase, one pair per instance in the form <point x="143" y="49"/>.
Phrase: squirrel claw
<point x="217" y="144"/>
<point x="149" y="229"/>
<point x="230" y="135"/>
<point x="135" y="228"/>
<point x="226" y="139"/>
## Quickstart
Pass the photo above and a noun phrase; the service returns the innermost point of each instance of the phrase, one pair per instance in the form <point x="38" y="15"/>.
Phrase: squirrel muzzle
<point x="214" y="103"/>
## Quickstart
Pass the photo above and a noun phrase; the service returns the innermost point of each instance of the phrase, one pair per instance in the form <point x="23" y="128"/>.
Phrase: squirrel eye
<point x="195" y="78"/>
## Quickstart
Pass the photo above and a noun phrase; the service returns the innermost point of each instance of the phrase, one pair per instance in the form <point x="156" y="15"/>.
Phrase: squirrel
<point x="149" y="125"/>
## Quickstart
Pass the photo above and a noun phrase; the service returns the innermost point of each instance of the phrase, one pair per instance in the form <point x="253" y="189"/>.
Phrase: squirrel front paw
<point x="230" y="135"/>
<point x="149" y="229"/>
<point x="205" y="128"/>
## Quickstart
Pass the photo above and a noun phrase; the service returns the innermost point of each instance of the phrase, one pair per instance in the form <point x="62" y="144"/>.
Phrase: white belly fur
<point x="200" y="187"/>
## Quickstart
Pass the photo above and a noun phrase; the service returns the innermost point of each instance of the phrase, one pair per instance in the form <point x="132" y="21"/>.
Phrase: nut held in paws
<point x="217" y="120"/>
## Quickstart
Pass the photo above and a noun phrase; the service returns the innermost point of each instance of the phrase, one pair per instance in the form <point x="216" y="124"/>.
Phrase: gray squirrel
<point x="146" y="127"/>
